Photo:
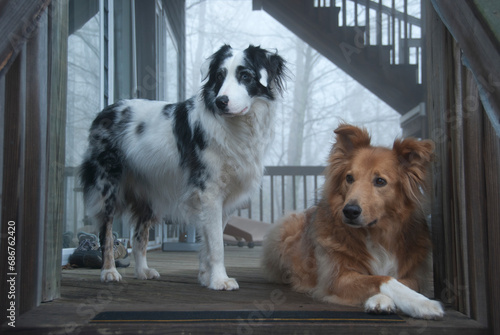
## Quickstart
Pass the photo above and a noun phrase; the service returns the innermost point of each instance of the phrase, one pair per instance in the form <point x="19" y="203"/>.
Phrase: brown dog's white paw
<point x="380" y="304"/>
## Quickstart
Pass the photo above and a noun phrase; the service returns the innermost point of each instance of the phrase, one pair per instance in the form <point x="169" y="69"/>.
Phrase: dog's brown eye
<point x="380" y="182"/>
<point x="349" y="179"/>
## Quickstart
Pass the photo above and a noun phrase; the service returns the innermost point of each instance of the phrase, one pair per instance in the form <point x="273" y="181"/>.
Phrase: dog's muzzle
<point x="351" y="212"/>
<point x="222" y="102"/>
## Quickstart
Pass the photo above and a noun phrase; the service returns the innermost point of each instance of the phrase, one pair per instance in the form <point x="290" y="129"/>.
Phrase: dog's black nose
<point x="351" y="211"/>
<point x="222" y="102"/>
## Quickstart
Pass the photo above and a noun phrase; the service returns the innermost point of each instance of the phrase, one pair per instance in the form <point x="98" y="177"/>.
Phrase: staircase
<point x="369" y="41"/>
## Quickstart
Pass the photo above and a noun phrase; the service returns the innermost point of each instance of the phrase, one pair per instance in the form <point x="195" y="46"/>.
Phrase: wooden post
<point x="35" y="170"/>
<point x="58" y="49"/>
<point x="12" y="190"/>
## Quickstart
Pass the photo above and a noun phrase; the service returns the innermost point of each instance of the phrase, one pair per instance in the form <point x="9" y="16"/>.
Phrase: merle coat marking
<point x="195" y="161"/>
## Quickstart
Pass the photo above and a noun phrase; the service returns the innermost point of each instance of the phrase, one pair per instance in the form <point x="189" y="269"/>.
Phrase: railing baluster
<point x="344" y="13"/>
<point x="261" y="205"/>
<point x="367" y="23"/>
<point x="282" y="194"/>
<point x="315" y="189"/>
<point x="272" y="199"/>
<point x="355" y="13"/>
<point x="393" y="31"/>
<point x="405" y="41"/>
<point x="271" y="171"/>
<point x="379" y="23"/>
<point x="305" y="191"/>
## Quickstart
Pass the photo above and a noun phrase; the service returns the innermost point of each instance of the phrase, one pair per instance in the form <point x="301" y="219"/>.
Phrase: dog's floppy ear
<point x="215" y="59"/>
<point x="276" y="72"/>
<point x="205" y="68"/>
<point x="414" y="157"/>
<point x="263" y="77"/>
<point x="350" y="138"/>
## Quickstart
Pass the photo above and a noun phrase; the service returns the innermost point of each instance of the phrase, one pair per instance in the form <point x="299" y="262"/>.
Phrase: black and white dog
<point x="194" y="162"/>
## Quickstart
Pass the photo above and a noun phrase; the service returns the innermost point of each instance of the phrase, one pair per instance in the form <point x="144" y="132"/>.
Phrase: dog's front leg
<point x="212" y="270"/>
<point x="411" y="302"/>
<point x="383" y="294"/>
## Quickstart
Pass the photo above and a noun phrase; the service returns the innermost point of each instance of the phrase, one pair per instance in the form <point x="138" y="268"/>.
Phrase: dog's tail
<point x="281" y="246"/>
<point x="101" y="169"/>
<point x="271" y="260"/>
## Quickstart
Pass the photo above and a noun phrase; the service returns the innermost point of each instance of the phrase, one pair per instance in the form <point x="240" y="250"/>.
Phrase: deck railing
<point x="387" y="26"/>
<point x="284" y="188"/>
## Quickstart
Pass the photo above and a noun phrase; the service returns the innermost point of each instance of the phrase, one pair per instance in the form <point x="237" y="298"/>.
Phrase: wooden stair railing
<point x="377" y="45"/>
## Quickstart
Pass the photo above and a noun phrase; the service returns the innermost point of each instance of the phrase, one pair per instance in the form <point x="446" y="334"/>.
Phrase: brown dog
<point x="367" y="240"/>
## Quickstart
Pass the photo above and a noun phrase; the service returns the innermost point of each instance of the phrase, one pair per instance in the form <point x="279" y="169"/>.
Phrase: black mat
<point x="242" y="316"/>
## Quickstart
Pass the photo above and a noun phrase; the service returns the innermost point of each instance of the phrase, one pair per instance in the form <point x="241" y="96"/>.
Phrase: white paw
<point x="147" y="273"/>
<point x="426" y="309"/>
<point x="224" y="284"/>
<point x="410" y="302"/>
<point x="380" y="304"/>
<point x="204" y="278"/>
<point x="110" y="275"/>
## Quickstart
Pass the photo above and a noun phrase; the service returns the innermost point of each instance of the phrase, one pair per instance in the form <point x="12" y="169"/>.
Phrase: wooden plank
<point x="146" y="49"/>
<point x="490" y="12"/>
<point x="437" y="71"/>
<point x="31" y="232"/>
<point x="492" y="176"/>
<point x="293" y="170"/>
<point x="53" y="229"/>
<point x="475" y="189"/>
<point x="458" y="196"/>
<point x="480" y="49"/>
<point x="462" y="188"/>
<point x="18" y="20"/>
<point x="83" y="296"/>
<point x="13" y="166"/>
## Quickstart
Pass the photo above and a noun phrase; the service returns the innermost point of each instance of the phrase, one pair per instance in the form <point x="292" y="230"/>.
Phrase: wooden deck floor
<point x="83" y="296"/>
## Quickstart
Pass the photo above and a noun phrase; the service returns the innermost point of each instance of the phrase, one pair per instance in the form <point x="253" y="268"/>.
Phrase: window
<point x="166" y="58"/>
<point x="110" y="58"/>
<point x="83" y="103"/>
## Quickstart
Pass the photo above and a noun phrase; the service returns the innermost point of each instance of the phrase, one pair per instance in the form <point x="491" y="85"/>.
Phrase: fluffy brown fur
<point x="368" y="228"/>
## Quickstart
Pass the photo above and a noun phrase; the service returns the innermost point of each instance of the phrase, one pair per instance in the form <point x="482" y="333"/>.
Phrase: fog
<point x="329" y="96"/>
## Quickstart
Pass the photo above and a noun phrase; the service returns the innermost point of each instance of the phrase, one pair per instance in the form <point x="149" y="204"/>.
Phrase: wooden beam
<point x="18" y="20"/>
<point x="475" y="191"/>
<point x="492" y="222"/>
<point x="438" y="67"/>
<point x="34" y="178"/>
<point x="12" y="184"/>
<point x="465" y="215"/>
<point x="57" y="92"/>
<point x="481" y="50"/>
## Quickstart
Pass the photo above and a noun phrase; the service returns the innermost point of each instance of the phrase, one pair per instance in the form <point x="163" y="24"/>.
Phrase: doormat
<point x="242" y="316"/>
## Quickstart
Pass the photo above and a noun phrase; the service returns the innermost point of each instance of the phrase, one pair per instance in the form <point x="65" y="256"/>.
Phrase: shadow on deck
<point x="83" y="296"/>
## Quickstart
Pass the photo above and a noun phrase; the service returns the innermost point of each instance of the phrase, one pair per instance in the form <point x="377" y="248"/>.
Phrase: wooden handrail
<point x="282" y="179"/>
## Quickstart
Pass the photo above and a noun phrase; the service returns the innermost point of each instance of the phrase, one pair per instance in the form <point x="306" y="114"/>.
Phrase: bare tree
<point x="304" y="64"/>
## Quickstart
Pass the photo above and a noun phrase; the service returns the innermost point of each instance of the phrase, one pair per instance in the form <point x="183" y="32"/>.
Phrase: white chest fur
<point x="383" y="263"/>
